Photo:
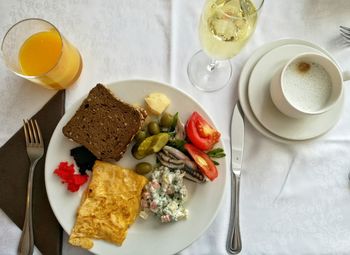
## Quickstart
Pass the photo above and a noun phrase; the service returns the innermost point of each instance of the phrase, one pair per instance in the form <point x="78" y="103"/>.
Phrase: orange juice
<point x="51" y="59"/>
<point x="40" y="53"/>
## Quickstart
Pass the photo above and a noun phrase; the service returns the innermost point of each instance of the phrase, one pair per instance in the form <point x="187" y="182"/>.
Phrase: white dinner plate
<point x="150" y="236"/>
<point x="244" y="80"/>
<point x="265" y="110"/>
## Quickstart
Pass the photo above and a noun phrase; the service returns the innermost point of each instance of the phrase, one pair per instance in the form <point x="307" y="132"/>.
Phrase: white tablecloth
<point x="295" y="199"/>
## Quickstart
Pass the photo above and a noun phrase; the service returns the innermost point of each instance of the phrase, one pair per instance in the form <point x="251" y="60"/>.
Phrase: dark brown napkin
<point x="14" y="168"/>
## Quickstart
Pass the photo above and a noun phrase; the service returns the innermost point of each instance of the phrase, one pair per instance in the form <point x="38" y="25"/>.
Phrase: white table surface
<point x="295" y="199"/>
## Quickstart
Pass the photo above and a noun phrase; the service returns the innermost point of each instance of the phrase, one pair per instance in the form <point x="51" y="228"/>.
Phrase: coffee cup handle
<point x="346" y="75"/>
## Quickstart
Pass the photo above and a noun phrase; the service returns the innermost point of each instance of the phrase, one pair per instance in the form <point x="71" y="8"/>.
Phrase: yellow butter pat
<point x="157" y="102"/>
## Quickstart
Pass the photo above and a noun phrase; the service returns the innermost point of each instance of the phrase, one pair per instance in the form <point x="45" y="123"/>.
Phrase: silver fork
<point x="35" y="150"/>
<point x="345" y="32"/>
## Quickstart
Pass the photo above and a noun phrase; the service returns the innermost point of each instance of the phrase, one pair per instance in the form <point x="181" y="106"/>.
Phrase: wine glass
<point x="225" y="27"/>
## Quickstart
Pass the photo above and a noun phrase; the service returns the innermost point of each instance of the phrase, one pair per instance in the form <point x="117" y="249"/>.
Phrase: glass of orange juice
<point x="35" y="50"/>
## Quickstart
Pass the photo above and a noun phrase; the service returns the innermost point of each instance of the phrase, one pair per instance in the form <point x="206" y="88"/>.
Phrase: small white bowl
<point x="282" y="98"/>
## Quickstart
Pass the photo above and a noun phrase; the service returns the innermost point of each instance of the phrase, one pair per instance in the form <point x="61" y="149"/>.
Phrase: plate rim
<point x="78" y="101"/>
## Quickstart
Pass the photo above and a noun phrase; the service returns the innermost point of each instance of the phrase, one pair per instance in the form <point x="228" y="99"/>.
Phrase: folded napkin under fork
<point x="14" y="167"/>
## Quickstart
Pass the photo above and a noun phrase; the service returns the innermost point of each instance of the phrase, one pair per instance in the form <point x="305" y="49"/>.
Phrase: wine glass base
<point x="205" y="78"/>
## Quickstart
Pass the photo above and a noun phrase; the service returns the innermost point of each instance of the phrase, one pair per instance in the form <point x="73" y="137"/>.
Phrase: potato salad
<point x="165" y="195"/>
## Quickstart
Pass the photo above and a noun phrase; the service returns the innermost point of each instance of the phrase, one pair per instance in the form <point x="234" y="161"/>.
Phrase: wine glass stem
<point x="211" y="66"/>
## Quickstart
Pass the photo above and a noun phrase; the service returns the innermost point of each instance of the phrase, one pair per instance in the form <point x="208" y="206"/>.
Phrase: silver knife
<point x="234" y="242"/>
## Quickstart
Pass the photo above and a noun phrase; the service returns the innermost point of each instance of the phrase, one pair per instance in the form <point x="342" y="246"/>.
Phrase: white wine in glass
<point x="225" y="27"/>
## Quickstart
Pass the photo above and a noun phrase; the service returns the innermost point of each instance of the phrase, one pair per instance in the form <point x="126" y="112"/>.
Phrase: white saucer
<point x="244" y="99"/>
<point x="266" y="112"/>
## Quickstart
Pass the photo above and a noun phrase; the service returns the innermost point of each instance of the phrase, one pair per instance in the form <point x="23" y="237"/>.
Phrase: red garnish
<point x="67" y="175"/>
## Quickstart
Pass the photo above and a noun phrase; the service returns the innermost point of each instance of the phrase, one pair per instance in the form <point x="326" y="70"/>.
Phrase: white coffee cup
<point x="309" y="84"/>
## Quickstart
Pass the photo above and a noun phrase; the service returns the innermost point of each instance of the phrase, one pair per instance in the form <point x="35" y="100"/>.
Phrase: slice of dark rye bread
<point x="104" y="124"/>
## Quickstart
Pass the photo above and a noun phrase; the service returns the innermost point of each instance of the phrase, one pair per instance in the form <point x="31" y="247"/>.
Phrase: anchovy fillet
<point x="175" y="159"/>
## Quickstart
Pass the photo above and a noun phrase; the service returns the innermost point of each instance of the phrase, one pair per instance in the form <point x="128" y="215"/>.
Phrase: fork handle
<point x="234" y="242"/>
<point x="26" y="243"/>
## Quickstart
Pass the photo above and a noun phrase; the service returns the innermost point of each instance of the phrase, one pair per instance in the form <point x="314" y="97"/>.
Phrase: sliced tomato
<point x="201" y="133"/>
<point x="204" y="163"/>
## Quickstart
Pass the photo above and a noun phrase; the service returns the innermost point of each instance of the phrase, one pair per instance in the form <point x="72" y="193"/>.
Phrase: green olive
<point x="153" y="128"/>
<point x="140" y="136"/>
<point x="143" y="168"/>
<point x="166" y="120"/>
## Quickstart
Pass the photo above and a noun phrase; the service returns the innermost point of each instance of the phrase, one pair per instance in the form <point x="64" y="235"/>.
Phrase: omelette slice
<point x="109" y="205"/>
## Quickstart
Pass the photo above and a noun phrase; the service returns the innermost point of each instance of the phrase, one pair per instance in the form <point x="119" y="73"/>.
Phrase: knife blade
<point x="237" y="137"/>
<point x="234" y="242"/>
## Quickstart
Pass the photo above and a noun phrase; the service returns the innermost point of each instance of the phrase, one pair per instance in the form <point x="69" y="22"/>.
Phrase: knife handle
<point x="234" y="242"/>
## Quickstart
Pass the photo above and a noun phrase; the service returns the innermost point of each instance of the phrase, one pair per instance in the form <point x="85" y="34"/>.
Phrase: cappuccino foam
<point x="307" y="89"/>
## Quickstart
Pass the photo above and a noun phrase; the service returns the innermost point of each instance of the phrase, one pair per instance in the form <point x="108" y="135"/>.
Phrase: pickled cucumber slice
<point x="150" y="145"/>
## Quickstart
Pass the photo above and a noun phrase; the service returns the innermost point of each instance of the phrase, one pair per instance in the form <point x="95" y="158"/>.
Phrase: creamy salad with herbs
<point x="165" y="195"/>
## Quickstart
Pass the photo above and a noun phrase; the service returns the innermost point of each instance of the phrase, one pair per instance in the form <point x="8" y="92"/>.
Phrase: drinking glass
<point x="225" y="27"/>
<point x="35" y="50"/>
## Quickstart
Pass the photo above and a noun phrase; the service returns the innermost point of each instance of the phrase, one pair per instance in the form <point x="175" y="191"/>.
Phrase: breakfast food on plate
<point x="196" y="139"/>
<point x="104" y="124"/>
<point x="165" y="195"/>
<point x="109" y="205"/>
<point x="150" y="145"/>
<point x="84" y="159"/>
<point x="175" y="159"/>
<point x="157" y="102"/>
<point x="67" y="174"/>
<point x="115" y="196"/>
<point x="203" y="161"/>
<point x="201" y="133"/>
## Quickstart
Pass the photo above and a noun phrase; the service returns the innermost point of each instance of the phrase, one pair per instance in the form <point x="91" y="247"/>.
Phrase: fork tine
<point x="38" y="131"/>
<point x="31" y="139"/>
<point x="345" y="28"/>
<point x="26" y="135"/>
<point x="345" y="31"/>
<point x="33" y="129"/>
<point x="347" y="36"/>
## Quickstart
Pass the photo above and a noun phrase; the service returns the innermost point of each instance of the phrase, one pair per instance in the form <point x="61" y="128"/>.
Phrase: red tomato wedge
<point x="201" y="133"/>
<point x="204" y="163"/>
